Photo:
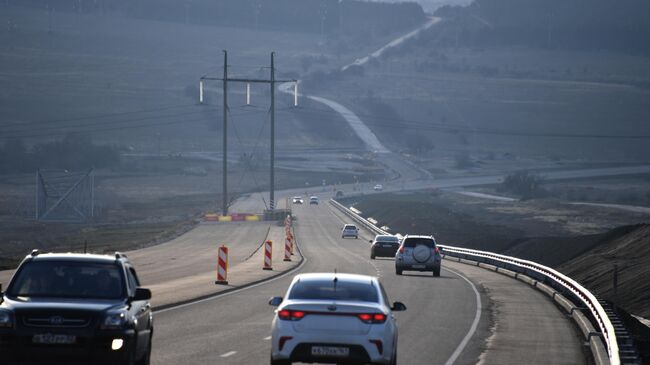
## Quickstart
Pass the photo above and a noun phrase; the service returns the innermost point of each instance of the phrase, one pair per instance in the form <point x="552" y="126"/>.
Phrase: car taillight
<point x="372" y="317"/>
<point x="401" y="249"/>
<point x="290" y="315"/>
<point x="436" y="250"/>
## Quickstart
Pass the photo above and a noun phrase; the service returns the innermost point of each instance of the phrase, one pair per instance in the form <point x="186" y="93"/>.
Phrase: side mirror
<point x="370" y="241"/>
<point x="398" y="307"/>
<point x="142" y="294"/>
<point x="275" y="301"/>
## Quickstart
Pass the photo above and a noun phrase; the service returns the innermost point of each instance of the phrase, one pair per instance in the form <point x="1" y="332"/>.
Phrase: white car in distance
<point x="334" y="318"/>
<point x="378" y="187"/>
<point x="350" y="230"/>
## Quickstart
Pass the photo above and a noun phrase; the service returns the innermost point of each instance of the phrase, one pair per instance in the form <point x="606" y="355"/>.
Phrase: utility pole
<point x="272" y="185"/>
<point x="224" y="193"/>
<point x="272" y="81"/>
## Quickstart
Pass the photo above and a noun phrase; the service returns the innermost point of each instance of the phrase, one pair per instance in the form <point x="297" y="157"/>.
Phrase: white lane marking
<point x="268" y="338"/>
<point x="474" y="326"/>
<point x="228" y="354"/>
<point x="217" y="296"/>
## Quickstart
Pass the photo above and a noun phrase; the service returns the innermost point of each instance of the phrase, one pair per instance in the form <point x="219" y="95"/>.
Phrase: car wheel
<point x="372" y="257"/>
<point x="280" y="362"/>
<point x="356" y="237"/>
<point x="393" y="360"/>
<point x="398" y="271"/>
<point x="436" y="271"/>
<point x="146" y="358"/>
<point x="130" y="360"/>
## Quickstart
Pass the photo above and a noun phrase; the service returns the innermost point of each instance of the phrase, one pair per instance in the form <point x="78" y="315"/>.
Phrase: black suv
<point x="75" y="308"/>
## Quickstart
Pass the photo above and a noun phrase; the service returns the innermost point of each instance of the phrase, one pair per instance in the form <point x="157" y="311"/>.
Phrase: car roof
<point x="357" y="278"/>
<point x="349" y="225"/>
<point x="76" y="257"/>
<point x="313" y="197"/>
<point x="386" y="236"/>
<point x="418" y="236"/>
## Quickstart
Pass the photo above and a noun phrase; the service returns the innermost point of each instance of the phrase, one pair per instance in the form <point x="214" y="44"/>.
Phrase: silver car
<point x="418" y="253"/>
<point x="350" y="230"/>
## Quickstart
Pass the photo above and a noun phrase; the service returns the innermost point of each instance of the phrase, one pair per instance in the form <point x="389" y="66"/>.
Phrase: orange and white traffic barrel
<point x="222" y="266"/>
<point x="287" y="249"/>
<point x="268" y="255"/>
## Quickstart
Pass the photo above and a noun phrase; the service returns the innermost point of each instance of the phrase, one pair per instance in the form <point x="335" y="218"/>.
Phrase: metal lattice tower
<point x="63" y="196"/>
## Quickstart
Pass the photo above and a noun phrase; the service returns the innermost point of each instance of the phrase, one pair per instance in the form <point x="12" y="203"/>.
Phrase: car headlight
<point x="6" y="319"/>
<point x="115" y="320"/>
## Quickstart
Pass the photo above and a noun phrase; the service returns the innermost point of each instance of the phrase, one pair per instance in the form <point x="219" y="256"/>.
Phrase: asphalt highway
<point x="235" y="329"/>
<point x="448" y="318"/>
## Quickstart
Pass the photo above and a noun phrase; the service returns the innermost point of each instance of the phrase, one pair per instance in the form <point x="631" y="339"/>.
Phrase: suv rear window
<point x="328" y="290"/>
<point x="412" y="242"/>
<point x="349" y="226"/>
<point x="391" y="239"/>
<point x="67" y="279"/>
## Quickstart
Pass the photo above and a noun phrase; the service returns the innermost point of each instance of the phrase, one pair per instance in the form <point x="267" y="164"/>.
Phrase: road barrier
<point x="268" y="255"/>
<point x="222" y="266"/>
<point x="287" y="249"/>
<point x="583" y="301"/>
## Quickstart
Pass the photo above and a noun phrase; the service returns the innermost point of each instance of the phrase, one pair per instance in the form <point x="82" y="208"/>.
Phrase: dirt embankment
<point x="625" y="250"/>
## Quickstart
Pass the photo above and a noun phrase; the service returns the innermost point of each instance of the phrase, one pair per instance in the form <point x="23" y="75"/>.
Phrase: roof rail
<point x="119" y="255"/>
<point x="35" y="252"/>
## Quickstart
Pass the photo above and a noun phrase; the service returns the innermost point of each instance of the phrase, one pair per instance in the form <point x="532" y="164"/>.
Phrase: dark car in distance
<point x="75" y="308"/>
<point x="384" y="246"/>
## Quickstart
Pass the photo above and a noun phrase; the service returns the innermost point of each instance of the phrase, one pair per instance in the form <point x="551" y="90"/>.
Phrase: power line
<point x="99" y="116"/>
<point x="65" y="130"/>
<point x="440" y="127"/>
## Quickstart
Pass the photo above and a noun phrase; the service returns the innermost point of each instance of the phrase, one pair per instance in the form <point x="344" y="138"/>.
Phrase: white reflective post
<point x="248" y="93"/>
<point x="295" y="94"/>
<point x="201" y="92"/>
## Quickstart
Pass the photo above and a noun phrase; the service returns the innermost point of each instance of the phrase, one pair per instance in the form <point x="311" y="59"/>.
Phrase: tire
<point x="398" y="271"/>
<point x="146" y="358"/>
<point x="372" y="257"/>
<point x="280" y="362"/>
<point x="393" y="360"/>
<point x="436" y="272"/>
<point x="131" y="357"/>
<point x="356" y="237"/>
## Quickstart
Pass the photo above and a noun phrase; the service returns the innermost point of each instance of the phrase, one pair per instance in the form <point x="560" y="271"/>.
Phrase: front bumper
<point x="90" y="348"/>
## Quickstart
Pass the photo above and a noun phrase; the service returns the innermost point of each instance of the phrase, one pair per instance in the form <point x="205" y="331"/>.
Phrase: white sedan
<point x="334" y="318"/>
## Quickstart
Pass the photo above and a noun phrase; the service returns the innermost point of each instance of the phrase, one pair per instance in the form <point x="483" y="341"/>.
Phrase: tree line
<point x="73" y="152"/>
<point x="315" y="16"/>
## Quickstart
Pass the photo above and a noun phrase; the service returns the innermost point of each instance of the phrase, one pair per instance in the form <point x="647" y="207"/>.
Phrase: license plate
<point x="53" y="339"/>
<point x="330" y="351"/>
<point x="418" y="266"/>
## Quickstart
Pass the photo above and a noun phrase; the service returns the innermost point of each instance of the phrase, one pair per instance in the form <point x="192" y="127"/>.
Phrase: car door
<point x="141" y="309"/>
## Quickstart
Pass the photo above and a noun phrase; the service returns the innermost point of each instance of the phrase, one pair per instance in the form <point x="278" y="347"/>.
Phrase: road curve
<point x="439" y="327"/>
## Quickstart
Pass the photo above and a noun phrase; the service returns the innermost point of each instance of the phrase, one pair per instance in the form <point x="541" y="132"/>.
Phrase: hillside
<point x="575" y="24"/>
<point x="628" y="248"/>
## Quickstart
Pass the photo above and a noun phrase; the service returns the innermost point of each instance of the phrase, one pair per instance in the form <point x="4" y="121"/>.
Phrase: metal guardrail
<point x="558" y="281"/>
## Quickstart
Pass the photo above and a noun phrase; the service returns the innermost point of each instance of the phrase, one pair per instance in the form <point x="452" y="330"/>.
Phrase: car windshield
<point x="330" y="290"/>
<point x="62" y="279"/>
<point x="412" y="242"/>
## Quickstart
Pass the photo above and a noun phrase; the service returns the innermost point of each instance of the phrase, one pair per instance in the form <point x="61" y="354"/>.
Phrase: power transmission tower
<point x="225" y="80"/>
<point x="65" y="196"/>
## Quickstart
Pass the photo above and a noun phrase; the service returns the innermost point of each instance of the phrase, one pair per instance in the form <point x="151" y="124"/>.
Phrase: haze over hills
<point x="553" y="24"/>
